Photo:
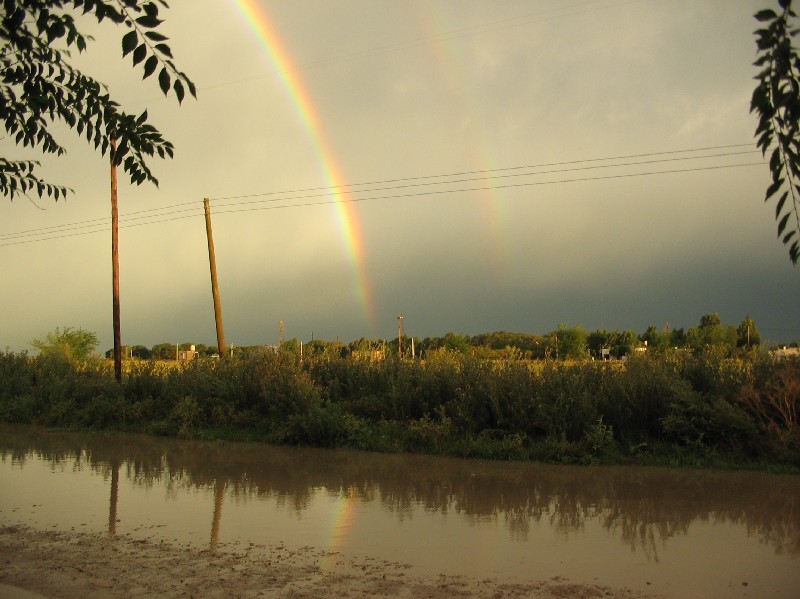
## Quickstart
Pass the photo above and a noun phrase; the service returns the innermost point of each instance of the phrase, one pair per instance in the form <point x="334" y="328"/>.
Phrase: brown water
<point x="673" y="532"/>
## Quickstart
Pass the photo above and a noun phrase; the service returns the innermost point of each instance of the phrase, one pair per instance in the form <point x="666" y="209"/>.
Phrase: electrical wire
<point x="491" y="187"/>
<point x="291" y="195"/>
<point x="494" y="170"/>
<point x="147" y="217"/>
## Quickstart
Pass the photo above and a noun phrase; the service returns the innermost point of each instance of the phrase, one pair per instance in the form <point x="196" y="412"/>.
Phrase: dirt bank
<point x="81" y="565"/>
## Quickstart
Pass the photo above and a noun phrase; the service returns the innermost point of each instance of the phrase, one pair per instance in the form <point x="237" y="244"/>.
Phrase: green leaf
<point x="150" y="66"/>
<point x="156" y="36"/>
<point x="150" y="9"/>
<point x="781" y="202"/>
<point x="139" y="54"/>
<point x="148" y="21"/>
<point x="164" y="49"/>
<point x="776" y="185"/>
<point x="782" y="224"/>
<point x="164" y="80"/>
<point x="765" y="15"/>
<point x="775" y="161"/>
<point x="129" y="42"/>
<point x="178" y="87"/>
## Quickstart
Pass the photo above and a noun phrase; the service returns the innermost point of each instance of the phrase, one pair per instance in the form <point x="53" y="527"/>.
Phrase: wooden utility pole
<point x="212" y="260"/>
<point x="400" y="335"/>
<point x="115" y="266"/>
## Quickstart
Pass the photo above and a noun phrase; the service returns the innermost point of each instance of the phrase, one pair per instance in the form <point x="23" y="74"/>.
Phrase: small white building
<point x="786" y="352"/>
<point x="187" y="355"/>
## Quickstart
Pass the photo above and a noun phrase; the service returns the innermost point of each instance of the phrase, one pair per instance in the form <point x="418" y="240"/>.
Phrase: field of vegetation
<point x="678" y="407"/>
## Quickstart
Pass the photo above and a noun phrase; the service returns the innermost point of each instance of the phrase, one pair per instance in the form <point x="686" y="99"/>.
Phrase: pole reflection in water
<point x="219" y="494"/>
<point x="621" y="526"/>
<point x="112" y="508"/>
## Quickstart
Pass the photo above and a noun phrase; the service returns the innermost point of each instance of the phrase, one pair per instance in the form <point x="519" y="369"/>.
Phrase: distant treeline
<point x="664" y="407"/>
<point x="566" y="342"/>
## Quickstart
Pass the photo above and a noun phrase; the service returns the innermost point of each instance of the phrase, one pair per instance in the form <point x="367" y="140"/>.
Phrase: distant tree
<point x="359" y="345"/>
<point x="601" y="339"/>
<point x="656" y="340"/>
<point x="747" y="333"/>
<point x="627" y="342"/>
<point x="711" y="333"/>
<point x="132" y="351"/>
<point x="205" y="351"/>
<point x="776" y="99"/>
<point x="141" y="352"/>
<point x="291" y="346"/>
<point x="677" y="338"/>
<point x="337" y="349"/>
<point x="571" y="342"/>
<point x="40" y="89"/>
<point x="69" y="343"/>
<point x="710" y="320"/>
<point x="163" y="351"/>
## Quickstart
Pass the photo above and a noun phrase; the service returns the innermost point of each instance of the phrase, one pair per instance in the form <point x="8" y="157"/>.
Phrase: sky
<point x="476" y="166"/>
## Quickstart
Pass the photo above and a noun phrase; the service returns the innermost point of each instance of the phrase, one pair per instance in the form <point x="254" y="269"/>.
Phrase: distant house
<point x="373" y="355"/>
<point x="187" y="355"/>
<point x="786" y="352"/>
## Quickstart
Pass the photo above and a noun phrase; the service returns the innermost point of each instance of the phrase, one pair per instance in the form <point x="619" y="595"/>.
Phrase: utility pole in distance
<point x="400" y="335"/>
<point x="115" y="267"/>
<point x="212" y="260"/>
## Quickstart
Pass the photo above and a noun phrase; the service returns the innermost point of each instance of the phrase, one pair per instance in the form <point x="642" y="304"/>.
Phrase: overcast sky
<point x="408" y="92"/>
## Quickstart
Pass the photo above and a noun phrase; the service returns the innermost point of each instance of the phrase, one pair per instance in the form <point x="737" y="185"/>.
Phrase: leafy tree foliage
<point x="69" y="343"/>
<point x="776" y="99"/>
<point x="451" y="341"/>
<point x="601" y="339"/>
<point x="747" y="333"/>
<point x="711" y="333"/>
<point x="163" y="351"/>
<point x="571" y="342"/>
<point x="39" y="87"/>
<point x="529" y="344"/>
<point x="627" y="342"/>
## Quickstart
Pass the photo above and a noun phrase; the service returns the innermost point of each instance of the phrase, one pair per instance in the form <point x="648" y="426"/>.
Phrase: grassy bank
<point x="679" y="409"/>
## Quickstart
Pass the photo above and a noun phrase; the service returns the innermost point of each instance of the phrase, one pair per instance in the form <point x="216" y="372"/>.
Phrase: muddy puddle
<point x="678" y="533"/>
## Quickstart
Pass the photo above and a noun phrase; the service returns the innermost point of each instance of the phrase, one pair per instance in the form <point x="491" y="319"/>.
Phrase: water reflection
<point x="219" y="495"/>
<point x="643" y="508"/>
<point x="112" y="510"/>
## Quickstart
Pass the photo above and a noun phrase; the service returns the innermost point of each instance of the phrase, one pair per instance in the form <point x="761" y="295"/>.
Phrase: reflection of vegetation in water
<point x="644" y="507"/>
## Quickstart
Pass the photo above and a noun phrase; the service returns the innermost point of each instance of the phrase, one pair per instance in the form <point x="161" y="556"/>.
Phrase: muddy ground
<point x="85" y="566"/>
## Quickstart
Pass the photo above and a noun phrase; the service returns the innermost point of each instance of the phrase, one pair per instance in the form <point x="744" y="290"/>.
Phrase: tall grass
<point x="676" y="407"/>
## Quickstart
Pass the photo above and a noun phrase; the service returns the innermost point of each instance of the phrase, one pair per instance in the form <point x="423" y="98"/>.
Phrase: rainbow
<point x="258" y="20"/>
<point x="433" y="22"/>
<point x="344" y="513"/>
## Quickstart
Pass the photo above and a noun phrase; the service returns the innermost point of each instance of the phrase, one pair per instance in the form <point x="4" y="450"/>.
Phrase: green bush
<point x="744" y="407"/>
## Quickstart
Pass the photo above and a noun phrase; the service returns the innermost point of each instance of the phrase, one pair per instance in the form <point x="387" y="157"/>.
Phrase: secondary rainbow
<point x="260" y="23"/>
<point x="433" y="20"/>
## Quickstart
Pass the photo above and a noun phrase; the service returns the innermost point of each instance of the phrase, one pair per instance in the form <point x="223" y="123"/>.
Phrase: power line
<point x="495" y="170"/>
<point x="492" y="187"/>
<point x="233" y="209"/>
<point x="81" y="224"/>
<point x="487" y="178"/>
<point x="435" y="179"/>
